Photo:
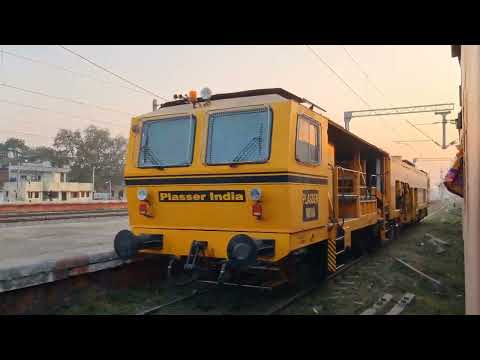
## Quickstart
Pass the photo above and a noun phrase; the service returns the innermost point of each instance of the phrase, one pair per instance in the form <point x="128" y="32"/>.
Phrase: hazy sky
<point x="405" y="75"/>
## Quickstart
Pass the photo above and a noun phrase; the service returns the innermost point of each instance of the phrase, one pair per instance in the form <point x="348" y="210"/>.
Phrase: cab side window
<point x="307" y="148"/>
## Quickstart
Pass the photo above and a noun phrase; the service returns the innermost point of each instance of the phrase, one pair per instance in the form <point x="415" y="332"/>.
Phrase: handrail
<point x="350" y="170"/>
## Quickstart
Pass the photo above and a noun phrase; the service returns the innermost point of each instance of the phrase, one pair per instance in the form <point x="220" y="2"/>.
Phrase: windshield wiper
<point x="148" y="152"/>
<point x="248" y="150"/>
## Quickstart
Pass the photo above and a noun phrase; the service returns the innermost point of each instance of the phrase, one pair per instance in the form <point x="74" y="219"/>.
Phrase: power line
<point x="26" y="133"/>
<point x="343" y="80"/>
<point x="62" y="68"/>
<point x="361" y="69"/>
<point x="371" y="82"/>
<point x="421" y="132"/>
<point x="383" y="94"/>
<point x="29" y="133"/>
<point x="432" y="123"/>
<point x="64" y="99"/>
<point x="112" y="73"/>
<point x="338" y="76"/>
<point x="57" y="112"/>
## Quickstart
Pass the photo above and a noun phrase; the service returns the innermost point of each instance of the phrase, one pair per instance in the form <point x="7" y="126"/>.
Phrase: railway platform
<point x="44" y="252"/>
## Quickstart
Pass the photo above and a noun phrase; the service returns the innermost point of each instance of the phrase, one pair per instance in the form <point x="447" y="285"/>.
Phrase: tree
<point x="46" y="153"/>
<point x="14" y="147"/>
<point x="16" y="144"/>
<point x="67" y="142"/>
<point x="93" y="147"/>
<point x="20" y="152"/>
<point x="81" y="150"/>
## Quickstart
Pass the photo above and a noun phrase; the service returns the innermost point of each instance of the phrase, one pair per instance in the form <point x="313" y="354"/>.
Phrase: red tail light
<point x="143" y="208"/>
<point x="257" y="210"/>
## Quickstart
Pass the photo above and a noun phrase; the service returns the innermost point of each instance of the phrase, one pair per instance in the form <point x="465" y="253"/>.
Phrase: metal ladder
<point x="340" y="249"/>
<point x="336" y="250"/>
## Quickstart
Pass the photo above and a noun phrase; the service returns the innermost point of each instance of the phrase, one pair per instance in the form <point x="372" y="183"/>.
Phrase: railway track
<point x="289" y="301"/>
<point x="157" y="308"/>
<point x="275" y="309"/>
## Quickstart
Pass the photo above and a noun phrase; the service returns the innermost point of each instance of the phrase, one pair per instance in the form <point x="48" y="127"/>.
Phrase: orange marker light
<point x="192" y="95"/>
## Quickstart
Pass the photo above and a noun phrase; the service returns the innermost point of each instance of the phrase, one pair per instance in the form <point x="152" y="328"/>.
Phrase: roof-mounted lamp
<point x="206" y="93"/>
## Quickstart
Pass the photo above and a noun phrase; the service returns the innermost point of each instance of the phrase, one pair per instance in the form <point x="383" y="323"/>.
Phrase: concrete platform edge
<point x="49" y="271"/>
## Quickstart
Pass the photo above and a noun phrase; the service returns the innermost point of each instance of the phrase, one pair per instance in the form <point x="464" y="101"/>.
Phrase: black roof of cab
<point x="233" y="95"/>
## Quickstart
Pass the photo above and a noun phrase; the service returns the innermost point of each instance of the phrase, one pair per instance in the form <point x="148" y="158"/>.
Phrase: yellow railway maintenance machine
<point x="252" y="183"/>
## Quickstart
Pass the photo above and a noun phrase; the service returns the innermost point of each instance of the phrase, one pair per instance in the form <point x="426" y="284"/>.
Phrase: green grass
<point x="123" y="302"/>
<point x="380" y="274"/>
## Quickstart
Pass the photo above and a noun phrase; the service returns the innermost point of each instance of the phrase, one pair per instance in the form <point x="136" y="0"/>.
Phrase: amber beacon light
<point x="192" y="95"/>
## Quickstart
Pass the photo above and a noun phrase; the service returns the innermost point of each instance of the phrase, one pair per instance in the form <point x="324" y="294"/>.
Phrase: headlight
<point x="142" y="194"/>
<point x="255" y="194"/>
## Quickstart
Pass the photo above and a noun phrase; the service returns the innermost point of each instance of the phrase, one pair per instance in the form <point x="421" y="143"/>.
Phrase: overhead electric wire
<point x="422" y="132"/>
<point x="26" y="133"/>
<point x="338" y="75"/>
<point x="432" y="123"/>
<point x="111" y="72"/>
<point x="361" y="69"/>
<point x="62" y="68"/>
<point x="383" y="94"/>
<point x="3" y="84"/>
<point x="64" y="99"/>
<point x="372" y="83"/>
<point x="8" y="131"/>
<point x="58" y="112"/>
<point x="410" y="141"/>
<point x="341" y="79"/>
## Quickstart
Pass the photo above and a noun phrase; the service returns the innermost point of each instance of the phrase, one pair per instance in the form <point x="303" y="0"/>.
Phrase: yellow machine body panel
<point x="281" y="201"/>
<point x="212" y="202"/>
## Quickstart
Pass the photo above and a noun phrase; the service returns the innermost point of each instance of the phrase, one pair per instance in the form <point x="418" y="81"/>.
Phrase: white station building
<point x="31" y="182"/>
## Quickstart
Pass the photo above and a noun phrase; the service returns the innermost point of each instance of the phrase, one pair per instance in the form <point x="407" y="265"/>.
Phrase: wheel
<point x="391" y="234"/>
<point x="394" y="231"/>
<point x="373" y="238"/>
<point x="311" y="266"/>
<point x="360" y="239"/>
<point x="398" y="230"/>
<point x="295" y="270"/>
<point x="319" y="258"/>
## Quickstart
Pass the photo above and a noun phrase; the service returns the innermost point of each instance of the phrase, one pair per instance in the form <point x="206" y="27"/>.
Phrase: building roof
<point x="43" y="167"/>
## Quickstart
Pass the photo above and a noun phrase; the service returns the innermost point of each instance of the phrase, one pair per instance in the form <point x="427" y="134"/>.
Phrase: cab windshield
<point x="239" y="136"/>
<point x="167" y="142"/>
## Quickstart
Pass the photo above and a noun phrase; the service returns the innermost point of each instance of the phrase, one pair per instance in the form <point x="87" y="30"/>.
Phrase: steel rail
<point x="276" y="309"/>
<point x="154" y="309"/>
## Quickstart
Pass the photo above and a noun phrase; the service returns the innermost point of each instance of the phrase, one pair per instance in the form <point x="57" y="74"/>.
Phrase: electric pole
<point x="443" y="114"/>
<point x="93" y="183"/>
<point x="441" y="187"/>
